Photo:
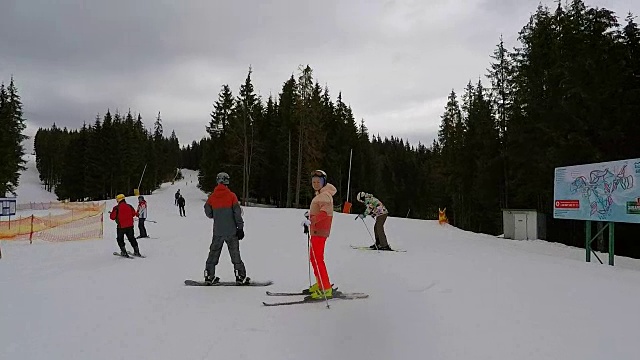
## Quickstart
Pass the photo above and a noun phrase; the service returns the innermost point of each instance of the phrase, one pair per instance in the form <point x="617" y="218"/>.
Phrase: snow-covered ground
<point x="452" y="295"/>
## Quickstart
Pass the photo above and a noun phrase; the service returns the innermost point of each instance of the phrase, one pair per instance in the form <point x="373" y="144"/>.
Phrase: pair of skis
<point x="337" y="295"/>
<point x="307" y="298"/>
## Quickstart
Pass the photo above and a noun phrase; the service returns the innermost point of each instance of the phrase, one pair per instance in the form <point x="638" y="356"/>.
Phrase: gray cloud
<point x="395" y="61"/>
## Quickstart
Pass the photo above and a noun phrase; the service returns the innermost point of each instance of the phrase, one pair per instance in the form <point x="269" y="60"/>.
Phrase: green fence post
<point x="587" y="232"/>
<point x="611" y="243"/>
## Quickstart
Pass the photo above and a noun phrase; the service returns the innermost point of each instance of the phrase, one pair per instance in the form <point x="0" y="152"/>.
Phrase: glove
<point x="240" y="234"/>
<point x="305" y="224"/>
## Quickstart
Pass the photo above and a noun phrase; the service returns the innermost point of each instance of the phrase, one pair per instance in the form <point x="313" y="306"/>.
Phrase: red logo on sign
<point x="567" y="204"/>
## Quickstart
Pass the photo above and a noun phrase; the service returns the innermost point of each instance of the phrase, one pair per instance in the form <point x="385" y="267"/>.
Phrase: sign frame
<point x="598" y="192"/>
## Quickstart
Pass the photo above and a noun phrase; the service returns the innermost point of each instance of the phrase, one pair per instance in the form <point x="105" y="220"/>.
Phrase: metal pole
<point x="349" y="181"/>
<point x="369" y="231"/>
<point x="309" y="257"/>
<point x="143" y="170"/>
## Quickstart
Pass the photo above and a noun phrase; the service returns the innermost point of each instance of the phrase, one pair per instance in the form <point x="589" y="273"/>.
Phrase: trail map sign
<point x="605" y="191"/>
<point x="7" y="207"/>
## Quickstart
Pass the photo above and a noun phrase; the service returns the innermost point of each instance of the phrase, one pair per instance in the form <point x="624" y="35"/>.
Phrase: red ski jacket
<point x="123" y="214"/>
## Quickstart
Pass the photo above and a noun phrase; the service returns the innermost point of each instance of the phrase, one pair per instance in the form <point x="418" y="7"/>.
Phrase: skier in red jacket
<point x="123" y="215"/>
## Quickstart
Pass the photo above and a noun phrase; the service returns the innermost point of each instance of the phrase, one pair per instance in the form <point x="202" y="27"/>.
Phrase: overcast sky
<point x="395" y="62"/>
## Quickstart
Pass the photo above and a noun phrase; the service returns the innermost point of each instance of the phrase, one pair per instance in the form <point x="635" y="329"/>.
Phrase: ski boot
<point x="136" y="252"/>
<point x="210" y="279"/>
<point x="313" y="288"/>
<point x="242" y="279"/>
<point x="320" y="295"/>
<point x="124" y="253"/>
<point x="374" y="247"/>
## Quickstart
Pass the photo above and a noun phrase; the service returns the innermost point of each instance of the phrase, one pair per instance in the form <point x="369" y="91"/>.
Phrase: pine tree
<point x="303" y="92"/>
<point x="287" y="114"/>
<point x="216" y="151"/>
<point x="501" y="74"/>
<point x="11" y="138"/>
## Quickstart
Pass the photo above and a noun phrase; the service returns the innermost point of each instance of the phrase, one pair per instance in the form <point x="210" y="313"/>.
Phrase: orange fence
<point x="79" y="221"/>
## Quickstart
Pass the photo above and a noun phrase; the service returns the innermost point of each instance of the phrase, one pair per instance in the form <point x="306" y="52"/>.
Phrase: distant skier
<point x="228" y="227"/>
<point x="181" y="203"/>
<point x="377" y="210"/>
<point x="177" y="196"/>
<point x="123" y="215"/>
<point x="142" y="216"/>
<point x="319" y="225"/>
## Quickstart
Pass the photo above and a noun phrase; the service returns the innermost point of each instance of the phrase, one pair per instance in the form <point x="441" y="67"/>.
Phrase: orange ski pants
<point x="317" y="261"/>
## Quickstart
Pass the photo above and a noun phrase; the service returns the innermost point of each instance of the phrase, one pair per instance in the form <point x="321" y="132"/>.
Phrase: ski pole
<point x="306" y="230"/>
<point x="309" y="257"/>
<point x="319" y="277"/>
<point x="369" y="231"/>
<point x="147" y="220"/>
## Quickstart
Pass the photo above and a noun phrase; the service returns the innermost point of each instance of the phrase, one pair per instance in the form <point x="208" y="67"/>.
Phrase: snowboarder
<point x="123" y="215"/>
<point x="142" y="216"/>
<point x="319" y="226"/>
<point x="376" y="209"/>
<point x="228" y="227"/>
<point x="177" y="196"/>
<point x="181" y="205"/>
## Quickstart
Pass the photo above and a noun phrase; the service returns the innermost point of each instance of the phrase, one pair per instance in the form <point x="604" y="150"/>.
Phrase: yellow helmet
<point x="120" y="197"/>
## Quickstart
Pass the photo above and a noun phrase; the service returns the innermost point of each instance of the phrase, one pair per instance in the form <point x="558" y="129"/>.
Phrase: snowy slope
<point x="453" y="295"/>
<point x="29" y="187"/>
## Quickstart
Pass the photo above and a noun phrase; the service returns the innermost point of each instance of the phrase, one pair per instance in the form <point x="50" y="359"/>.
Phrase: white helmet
<point x="360" y="196"/>
<point x="223" y="178"/>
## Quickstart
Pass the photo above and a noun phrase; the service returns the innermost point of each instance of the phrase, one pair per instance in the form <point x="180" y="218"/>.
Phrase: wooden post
<point x="31" y="233"/>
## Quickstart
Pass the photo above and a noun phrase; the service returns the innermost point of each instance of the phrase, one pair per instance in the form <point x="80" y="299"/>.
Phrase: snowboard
<point x="189" y="282"/>
<point x="131" y="256"/>
<point x="337" y="295"/>
<point x="367" y="248"/>
<point x="118" y="254"/>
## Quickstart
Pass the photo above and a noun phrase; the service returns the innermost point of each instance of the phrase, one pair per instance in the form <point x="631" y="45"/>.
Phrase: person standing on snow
<point x="319" y="225"/>
<point x="181" y="202"/>
<point x="222" y="206"/>
<point x="375" y="209"/>
<point x="177" y="196"/>
<point x="142" y="216"/>
<point x="123" y="215"/>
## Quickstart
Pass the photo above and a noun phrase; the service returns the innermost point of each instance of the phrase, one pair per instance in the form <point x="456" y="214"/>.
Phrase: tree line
<point x="568" y="94"/>
<point x="105" y="158"/>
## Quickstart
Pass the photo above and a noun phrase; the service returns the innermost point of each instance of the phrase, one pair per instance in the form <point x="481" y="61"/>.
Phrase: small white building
<point x="523" y="224"/>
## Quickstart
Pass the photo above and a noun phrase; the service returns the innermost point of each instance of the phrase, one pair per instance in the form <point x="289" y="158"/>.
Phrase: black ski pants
<point x="143" y="230"/>
<point x="130" y="236"/>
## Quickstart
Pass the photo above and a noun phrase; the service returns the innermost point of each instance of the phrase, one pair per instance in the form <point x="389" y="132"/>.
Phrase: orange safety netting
<point x="80" y="221"/>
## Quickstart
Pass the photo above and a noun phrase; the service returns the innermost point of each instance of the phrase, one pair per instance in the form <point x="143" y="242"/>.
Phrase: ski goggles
<point x="318" y="173"/>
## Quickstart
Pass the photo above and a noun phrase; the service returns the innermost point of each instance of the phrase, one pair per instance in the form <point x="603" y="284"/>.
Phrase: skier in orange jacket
<point x="319" y="223"/>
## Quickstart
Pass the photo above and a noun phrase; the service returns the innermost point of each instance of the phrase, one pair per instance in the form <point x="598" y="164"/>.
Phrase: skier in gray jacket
<point x="222" y="206"/>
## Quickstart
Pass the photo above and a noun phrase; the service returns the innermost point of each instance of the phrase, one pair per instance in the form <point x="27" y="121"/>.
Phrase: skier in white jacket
<point x="142" y="216"/>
